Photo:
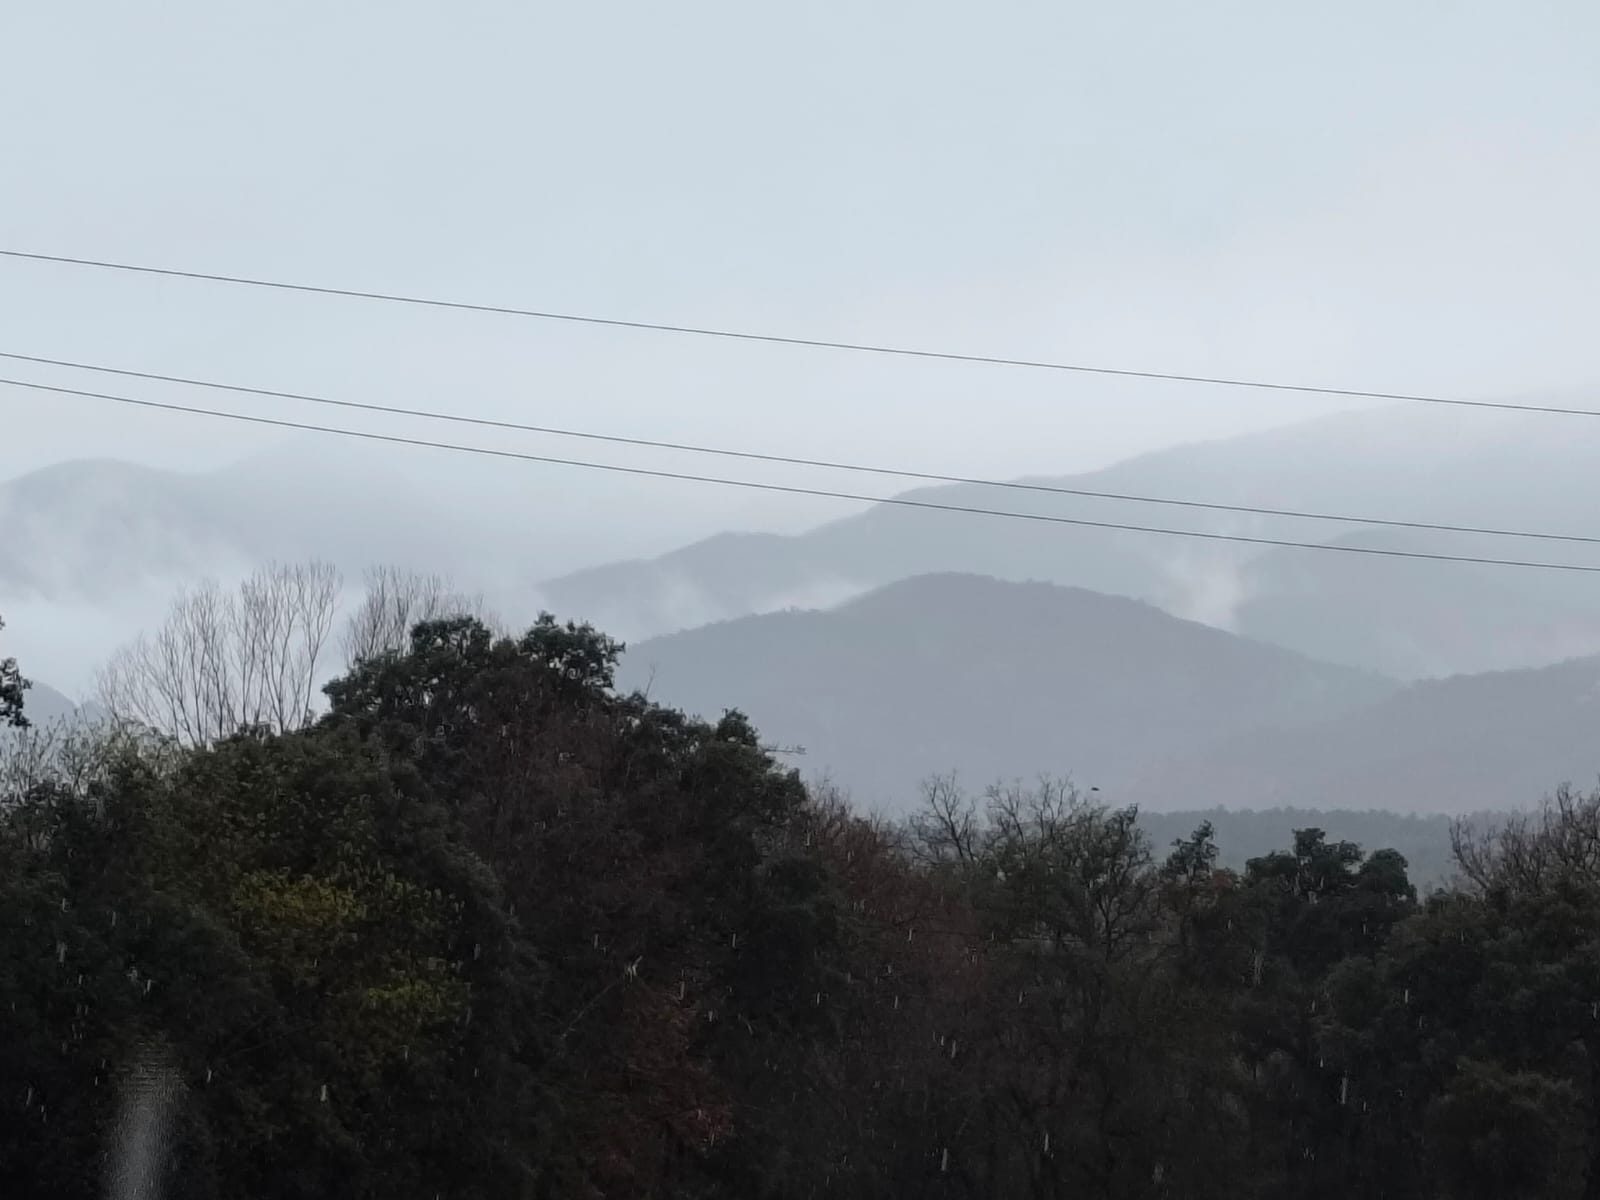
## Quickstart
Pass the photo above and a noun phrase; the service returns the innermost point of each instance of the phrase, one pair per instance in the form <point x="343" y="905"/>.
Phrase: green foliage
<point x="492" y="929"/>
<point x="1496" y="1134"/>
<point x="1242" y="834"/>
<point x="12" y="685"/>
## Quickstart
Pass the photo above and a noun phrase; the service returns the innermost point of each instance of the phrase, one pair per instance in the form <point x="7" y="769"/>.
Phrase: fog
<point x="1217" y="258"/>
<point x="1362" y="198"/>
<point x="1256" y="192"/>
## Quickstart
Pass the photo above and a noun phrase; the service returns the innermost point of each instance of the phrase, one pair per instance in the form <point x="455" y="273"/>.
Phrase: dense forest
<point x="485" y="927"/>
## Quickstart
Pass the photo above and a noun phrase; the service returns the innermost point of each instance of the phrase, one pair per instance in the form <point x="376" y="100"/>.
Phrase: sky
<point x="1362" y="195"/>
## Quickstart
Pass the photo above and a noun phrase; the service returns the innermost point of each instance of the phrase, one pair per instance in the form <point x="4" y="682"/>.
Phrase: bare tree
<point x="945" y="831"/>
<point x="69" y="755"/>
<point x="223" y="662"/>
<point x="395" y="601"/>
<point x="1529" y="852"/>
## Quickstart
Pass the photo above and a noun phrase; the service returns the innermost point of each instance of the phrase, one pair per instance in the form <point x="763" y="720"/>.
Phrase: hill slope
<point x="1490" y="741"/>
<point x="43" y="705"/>
<point x="1484" y="468"/>
<point x="993" y="679"/>
<point x="1421" y="619"/>
<point x="91" y="551"/>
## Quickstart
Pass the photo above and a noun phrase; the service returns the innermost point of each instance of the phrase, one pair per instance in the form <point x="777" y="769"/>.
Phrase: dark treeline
<point x="489" y="929"/>
<point x="1242" y="834"/>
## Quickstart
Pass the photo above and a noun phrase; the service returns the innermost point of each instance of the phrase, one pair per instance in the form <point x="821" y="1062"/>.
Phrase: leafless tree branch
<point x="223" y="662"/>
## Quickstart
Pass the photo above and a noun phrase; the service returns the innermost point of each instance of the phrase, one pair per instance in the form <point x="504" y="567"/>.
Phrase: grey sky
<point x="1362" y="194"/>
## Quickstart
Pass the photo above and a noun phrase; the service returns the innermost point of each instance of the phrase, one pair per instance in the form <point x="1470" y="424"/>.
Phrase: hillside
<point x="49" y="713"/>
<point x="1421" y="619"/>
<point x="82" y="529"/>
<point x="1496" y="740"/>
<point x="1485" y="468"/>
<point x="93" y="550"/>
<point x="86" y="529"/>
<point x="733" y="575"/>
<point x="993" y="679"/>
<point x="43" y="705"/>
<point x="115" y="539"/>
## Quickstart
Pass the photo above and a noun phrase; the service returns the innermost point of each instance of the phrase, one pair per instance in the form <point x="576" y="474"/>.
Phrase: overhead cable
<point x="780" y="339"/>
<point x="929" y="476"/>
<point x="903" y="501"/>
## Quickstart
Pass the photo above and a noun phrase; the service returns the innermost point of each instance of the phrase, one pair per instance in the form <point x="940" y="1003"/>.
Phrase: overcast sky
<point x="1362" y="194"/>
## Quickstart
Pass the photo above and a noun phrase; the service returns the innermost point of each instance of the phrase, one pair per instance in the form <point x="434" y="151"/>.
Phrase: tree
<point x="395" y="602"/>
<point x="224" y="662"/>
<point x="340" y="988"/>
<point x="642" y="849"/>
<point x="490" y="928"/>
<point x="12" y="685"/>
<point x="1497" y="1134"/>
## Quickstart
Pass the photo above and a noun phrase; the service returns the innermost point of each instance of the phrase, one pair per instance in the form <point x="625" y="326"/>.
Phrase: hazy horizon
<point x="1257" y="193"/>
<point x="1360" y="198"/>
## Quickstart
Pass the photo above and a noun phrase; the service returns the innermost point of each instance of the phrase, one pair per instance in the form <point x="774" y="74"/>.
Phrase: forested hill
<point x="1403" y="619"/>
<point x="996" y="680"/>
<point x="992" y="679"/>
<point x="491" y="928"/>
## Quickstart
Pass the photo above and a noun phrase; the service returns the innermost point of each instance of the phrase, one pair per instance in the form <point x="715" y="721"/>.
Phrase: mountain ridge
<point x="1494" y="469"/>
<point x="954" y="670"/>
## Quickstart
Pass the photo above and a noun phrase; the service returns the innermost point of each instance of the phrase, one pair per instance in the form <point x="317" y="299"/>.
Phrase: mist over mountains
<point x="1406" y="618"/>
<point x="997" y="681"/>
<point x="1151" y="666"/>
<point x="91" y="551"/>
<point x="992" y="679"/>
<point x="81" y="529"/>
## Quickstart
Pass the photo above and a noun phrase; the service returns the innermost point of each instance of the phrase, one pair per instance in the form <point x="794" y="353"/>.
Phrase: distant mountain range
<point x="999" y="681"/>
<point x="993" y="679"/>
<point x="1135" y="661"/>
<point x="84" y="529"/>
<point x="93" y="551"/>
<point x="1406" y="618"/>
<point x="87" y="532"/>
<point x="1497" y="740"/>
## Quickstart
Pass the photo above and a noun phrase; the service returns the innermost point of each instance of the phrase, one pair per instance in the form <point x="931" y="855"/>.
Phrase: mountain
<point x="48" y="712"/>
<point x="738" y="574"/>
<point x="994" y="679"/>
<point x="88" y="528"/>
<point x="43" y="705"/>
<point x="92" y="541"/>
<point x="83" y="529"/>
<point x="1492" y="741"/>
<point x="92" y="551"/>
<point x="92" y="526"/>
<point x="1420" y="619"/>
<point x="1484" y="468"/>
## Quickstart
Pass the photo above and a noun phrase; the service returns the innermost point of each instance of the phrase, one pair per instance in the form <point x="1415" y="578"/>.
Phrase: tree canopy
<point x="12" y="685"/>
<point x="488" y="927"/>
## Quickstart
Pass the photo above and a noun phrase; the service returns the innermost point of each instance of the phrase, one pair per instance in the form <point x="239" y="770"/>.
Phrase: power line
<point x="816" y="343"/>
<point x="798" y="491"/>
<point x="485" y="422"/>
